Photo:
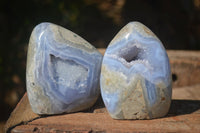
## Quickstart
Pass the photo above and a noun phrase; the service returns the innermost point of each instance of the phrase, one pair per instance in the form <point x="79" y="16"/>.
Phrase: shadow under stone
<point x="182" y="107"/>
<point x="178" y="107"/>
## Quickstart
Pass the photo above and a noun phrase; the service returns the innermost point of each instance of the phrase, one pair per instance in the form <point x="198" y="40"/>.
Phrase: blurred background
<point x="175" y="22"/>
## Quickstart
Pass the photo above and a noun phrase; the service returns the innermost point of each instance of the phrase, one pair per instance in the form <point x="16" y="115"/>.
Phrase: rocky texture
<point x="135" y="75"/>
<point x="62" y="71"/>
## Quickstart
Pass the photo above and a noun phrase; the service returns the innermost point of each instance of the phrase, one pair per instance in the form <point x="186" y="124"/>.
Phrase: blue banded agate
<point x="62" y="72"/>
<point x="135" y="75"/>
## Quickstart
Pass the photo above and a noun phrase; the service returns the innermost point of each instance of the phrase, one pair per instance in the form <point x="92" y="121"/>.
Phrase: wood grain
<point x="184" y="114"/>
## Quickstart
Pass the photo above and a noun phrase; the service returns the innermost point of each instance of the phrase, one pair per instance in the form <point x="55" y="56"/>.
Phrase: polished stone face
<point x="135" y="75"/>
<point x="62" y="72"/>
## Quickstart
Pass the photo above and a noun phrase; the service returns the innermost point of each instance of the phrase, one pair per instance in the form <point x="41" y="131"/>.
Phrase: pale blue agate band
<point x="66" y="72"/>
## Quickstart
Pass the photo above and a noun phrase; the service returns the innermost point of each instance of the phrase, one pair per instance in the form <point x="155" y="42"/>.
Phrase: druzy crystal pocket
<point x="62" y="71"/>
<point x="135" y="75"/>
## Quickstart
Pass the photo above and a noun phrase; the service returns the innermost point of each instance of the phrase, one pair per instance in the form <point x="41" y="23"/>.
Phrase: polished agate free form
<point x="62" y="73"/>
<point x="135" y="75"/>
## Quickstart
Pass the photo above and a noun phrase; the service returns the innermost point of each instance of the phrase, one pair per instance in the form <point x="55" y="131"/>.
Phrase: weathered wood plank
<point x="184" y="114"/>
<point x="21" y="114"/>
<point x="102" y="122"/>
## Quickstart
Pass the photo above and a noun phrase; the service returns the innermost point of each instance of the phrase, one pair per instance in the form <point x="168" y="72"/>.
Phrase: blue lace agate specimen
<point x="135" y="75"/>
<point x="62" y="72"/>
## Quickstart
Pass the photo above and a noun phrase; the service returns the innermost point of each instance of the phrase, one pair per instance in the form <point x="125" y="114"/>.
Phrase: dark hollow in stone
<point x="131" y="54"/>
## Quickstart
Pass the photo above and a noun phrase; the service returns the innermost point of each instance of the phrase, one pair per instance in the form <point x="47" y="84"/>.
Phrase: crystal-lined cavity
<point x="135" y="75"/>
<point x="62" y="71"/>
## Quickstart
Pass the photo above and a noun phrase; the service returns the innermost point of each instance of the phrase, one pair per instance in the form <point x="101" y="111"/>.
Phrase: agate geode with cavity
<point x="135" y="75"/>
<point x="62" y="72"/>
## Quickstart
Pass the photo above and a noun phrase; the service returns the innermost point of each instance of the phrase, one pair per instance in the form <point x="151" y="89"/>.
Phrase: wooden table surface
<point x="184" y="114"/>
